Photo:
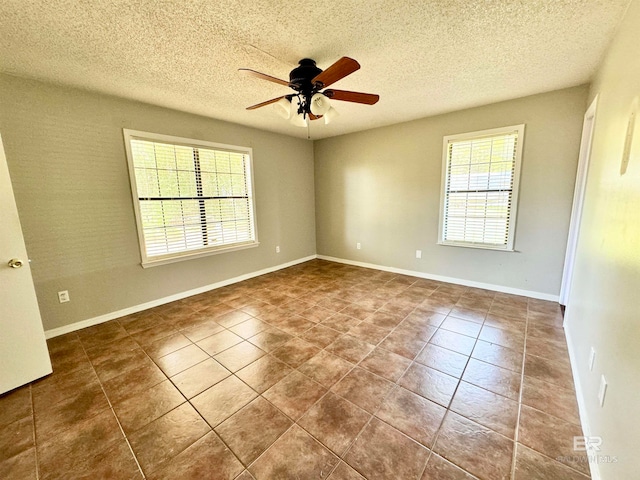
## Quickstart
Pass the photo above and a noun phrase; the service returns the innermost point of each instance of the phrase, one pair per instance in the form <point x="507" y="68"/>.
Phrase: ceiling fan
<point x="309" y="101"/>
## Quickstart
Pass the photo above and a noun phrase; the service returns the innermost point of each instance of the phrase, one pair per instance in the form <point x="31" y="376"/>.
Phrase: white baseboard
<point x="54" y="332"/>
<point x="440" y="278"/>
<point x="582" y="408"/>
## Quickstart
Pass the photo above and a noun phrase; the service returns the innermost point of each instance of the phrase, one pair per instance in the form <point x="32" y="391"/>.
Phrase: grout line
<point x="517" y="432"/>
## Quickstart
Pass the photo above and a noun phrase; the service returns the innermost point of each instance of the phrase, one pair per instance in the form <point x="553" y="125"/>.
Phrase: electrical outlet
<point x="418" y="253"/>
<point x="63" y="296"/>
<point x="603" y="390"/>
<point x="358" y="246"/>
<point x="278" y="249"/>
<point x="592" y="358"/>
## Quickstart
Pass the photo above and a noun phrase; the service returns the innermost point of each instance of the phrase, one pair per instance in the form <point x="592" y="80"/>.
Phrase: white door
<point x="578" y="200"/>
<point x="23" y="348"/>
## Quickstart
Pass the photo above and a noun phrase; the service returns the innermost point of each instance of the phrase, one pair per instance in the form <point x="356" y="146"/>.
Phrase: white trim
<point x="588" y="127"/>
<point x="54" y="332"/>
<point x="509" y="247"/>
<point x="440" y="278"/>
<point x="582" y="407"/>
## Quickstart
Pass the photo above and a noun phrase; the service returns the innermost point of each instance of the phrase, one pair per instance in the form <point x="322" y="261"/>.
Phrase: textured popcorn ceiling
<point x="422" y="57"/>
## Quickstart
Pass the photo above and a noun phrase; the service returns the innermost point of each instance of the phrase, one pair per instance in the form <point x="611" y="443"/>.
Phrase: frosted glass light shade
<point x="299" y="120"/>
<point x="320" y="104"/>
<point x="331" y="114"/>
<point x="283" y="108"/>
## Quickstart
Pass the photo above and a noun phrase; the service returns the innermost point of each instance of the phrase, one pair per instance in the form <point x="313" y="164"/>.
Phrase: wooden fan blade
<point x="263" y="76"/>
<point x="268" y="102"/>
<point x="343" y="67"/>
<point x="356" y="97"/>
<point x="314" y="117"/>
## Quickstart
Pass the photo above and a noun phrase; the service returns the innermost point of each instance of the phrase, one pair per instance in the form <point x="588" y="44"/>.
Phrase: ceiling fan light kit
<point x="309" y="103"/>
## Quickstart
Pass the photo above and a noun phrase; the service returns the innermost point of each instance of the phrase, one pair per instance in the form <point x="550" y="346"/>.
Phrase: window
<point x="480" y="176"/>
<point x="191" y="197"/>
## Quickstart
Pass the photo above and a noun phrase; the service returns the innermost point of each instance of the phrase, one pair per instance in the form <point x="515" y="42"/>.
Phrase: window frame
<point x="151" y="261"/>
<point x="515" y="190"/>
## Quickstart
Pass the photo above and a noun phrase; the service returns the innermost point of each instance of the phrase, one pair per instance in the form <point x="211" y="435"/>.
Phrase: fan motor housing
<point x="301" y="76"/>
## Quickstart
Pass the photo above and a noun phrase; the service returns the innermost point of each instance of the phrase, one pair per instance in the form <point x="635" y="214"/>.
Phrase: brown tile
<point x="439" y="469"/>
<point x="161" y="440"/>
<point x="15" y="405"/>
<point x="152" y="335"/>
<point x="270" y="339"/>
<point x="417" y="328"/>
<point x="16" y="438"/>
<point x="333" y="303"/>
<point x="385" y="319"/>
<point x="85" y="402"/>
<point x="480" y="451"/>
<point x="102" y="333"/>
<point x="486" y="408"/>
<point x="359" y="312"/>
<point x="552" y="399"/>
<point x="369" y="333"/>
<point x="311" y="460"/>
<point x="545" y="332"/>
<point x="463" y="327"/>
<point x="381" y="452"/>
<point x="167" y="345"/>
<point x="497" y="355"/>
<point x="325" y="368"/>
<point x="403" y="343"/>
<point x="476" y="314"/>
<point x="345" y="472"/>
<point x="495" y="379"/>
<point x="134" y="413"/>
<point x="57" y="387"/>
<point x="230" y="319"/>
<point x="294" y="324"/>
<point x="530" y="465"/>
<point x="505" y="322"/>
<point x="78" y="445"/>
<point x="552" y="437"/>
<point x="295" y="352"/>
<point x="239" y="356"/>
<point x="250" y="431"/>
<point x="140" y="321"/>
<point x="68" y="359"/>
<point x="386" y="364"/>
<point x="446" y="361"/>
<point x="294" y="394"/>
<point x="116" y="461"/>
<point x="350" y="348"/>
<point x="321" y="336"/>
<point x="317" y="314"/>
<point x="245" y="476"/>
<point x="335" y="422"/>
<point x="120" y="362"/>
<point x="249" y="328"/>
<point x="426" y="317"/>
<point x="553" y="350"/>
<point x="412" y="414"/>
<point x="201" y="330"/>
<point x="431" y="384"/>
<point x="219" y="402"/>
<point x="108" y="351"/>
<point x="198" y="378"/>
<point x="20" y="467"/>
<point x="131" y="383"/>
<point x="264" y="373"/>
<point x="504" y="338"/>
<point x="363" y="388"/>
<point x="219" y="342"/>
<point x="453" y="341"/>
<point x="341" y="322"/>
<point x="207" y="458"/>
<point x="558" y="373"/>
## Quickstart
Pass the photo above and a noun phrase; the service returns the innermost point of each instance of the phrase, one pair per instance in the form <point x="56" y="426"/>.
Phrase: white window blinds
<point x="480" y="177"/>
<point x="191" y="198"/>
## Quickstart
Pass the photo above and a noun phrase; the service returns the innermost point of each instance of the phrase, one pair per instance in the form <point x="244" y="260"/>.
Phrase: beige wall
<point x="66" y="158"/>
<point x="604" y="307"/>
<point x="382" y="188"/>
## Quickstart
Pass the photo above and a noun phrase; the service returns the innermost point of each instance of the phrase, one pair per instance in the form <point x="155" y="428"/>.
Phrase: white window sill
<point x="477" y="245"/>
<point x="179" y="257"/>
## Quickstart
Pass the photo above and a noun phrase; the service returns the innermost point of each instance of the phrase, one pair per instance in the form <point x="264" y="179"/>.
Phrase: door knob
<point x="15" y="263"/>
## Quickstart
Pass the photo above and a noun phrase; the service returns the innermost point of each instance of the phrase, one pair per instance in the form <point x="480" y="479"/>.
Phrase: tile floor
<point x="318" y="371"/>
